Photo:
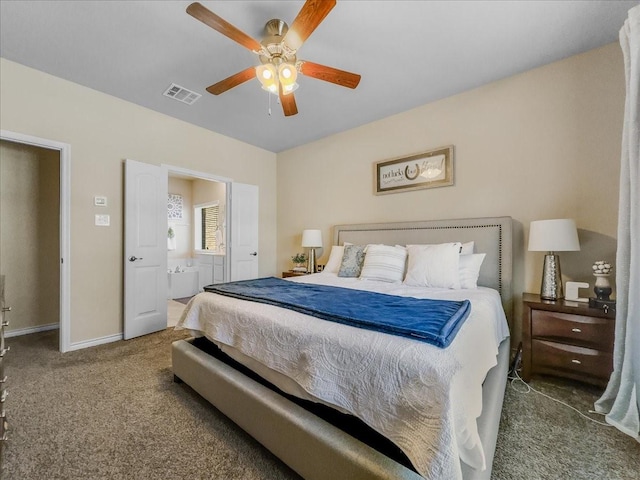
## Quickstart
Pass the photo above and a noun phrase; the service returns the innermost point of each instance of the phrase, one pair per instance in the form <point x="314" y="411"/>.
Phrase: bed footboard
<point x="312" y="447"/>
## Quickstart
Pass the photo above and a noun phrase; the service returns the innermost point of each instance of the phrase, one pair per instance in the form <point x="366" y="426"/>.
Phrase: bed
<point x="306" y="440"/>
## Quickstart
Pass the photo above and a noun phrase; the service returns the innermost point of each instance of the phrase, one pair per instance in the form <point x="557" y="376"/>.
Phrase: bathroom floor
<point x="174" y="310"/>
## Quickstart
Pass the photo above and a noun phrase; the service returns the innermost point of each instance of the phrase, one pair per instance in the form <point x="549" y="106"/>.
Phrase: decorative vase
<point x="602" y="288"/>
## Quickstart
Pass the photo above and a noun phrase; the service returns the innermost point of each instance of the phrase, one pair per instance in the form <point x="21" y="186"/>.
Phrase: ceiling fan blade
<point x="308" y="19"/>
<point x="233" y="81"/>
<point x="329" y="74"/>
<point x="288" y="102"/>
<point x="206" y="16"/>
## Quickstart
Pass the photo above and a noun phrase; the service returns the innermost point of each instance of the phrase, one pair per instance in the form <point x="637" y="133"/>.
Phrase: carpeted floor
<point x="114" y="412"/>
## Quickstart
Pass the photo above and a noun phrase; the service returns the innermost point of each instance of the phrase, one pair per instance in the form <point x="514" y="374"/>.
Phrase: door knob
<point x="253" y="254"/>
<point x="133" y="258"/>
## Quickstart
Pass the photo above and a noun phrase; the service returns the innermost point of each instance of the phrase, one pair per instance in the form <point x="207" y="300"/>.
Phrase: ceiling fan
<point x="279" y="67"/>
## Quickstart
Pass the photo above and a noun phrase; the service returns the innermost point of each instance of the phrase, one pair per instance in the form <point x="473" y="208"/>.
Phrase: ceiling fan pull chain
<point x="269" y="109"/>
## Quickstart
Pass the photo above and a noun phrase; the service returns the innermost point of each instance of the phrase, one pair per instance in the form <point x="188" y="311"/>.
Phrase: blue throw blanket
<point x="432" y="321"/>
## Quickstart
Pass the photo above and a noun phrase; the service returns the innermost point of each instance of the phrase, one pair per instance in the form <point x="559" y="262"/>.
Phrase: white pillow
<point x="467" y="248"/>
<point x="433" y="265"/>
<point x="384" y="263"/>
<point x="335" y="259"/>
<point x="469" y="269"/>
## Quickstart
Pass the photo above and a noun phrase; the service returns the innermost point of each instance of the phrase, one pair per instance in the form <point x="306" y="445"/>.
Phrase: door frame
<point x="227" y="194"/>
<point x="64" y="150"/>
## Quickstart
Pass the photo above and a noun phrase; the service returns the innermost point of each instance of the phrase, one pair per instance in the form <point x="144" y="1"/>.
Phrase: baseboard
<point x="95" y="342"/>
<point x="29" y="330"/>
<point x="74" y="346"/>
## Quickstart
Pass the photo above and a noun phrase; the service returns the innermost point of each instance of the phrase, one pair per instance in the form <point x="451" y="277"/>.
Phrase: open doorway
<point x="196" y="237"/>
<point x="146" y="240"/>
<point x="34" y="232"/>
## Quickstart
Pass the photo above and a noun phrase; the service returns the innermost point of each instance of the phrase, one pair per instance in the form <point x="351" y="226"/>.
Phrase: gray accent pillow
<point x="352" y="261"/>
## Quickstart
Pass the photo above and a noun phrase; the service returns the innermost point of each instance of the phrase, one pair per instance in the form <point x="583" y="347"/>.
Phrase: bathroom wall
<point x="182" y="228"/>
<point x="212" y="267"/>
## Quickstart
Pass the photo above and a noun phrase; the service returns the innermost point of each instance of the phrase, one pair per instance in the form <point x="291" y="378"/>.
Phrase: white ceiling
<point x="409" y="53"/>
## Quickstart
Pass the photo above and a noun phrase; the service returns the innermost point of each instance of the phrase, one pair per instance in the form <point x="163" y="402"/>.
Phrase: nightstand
<point x="566" y="339"/>
<point x="293" y="274"/>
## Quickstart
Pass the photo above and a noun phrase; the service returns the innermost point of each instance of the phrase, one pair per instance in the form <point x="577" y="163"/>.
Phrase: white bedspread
<point x="423" y="398"/>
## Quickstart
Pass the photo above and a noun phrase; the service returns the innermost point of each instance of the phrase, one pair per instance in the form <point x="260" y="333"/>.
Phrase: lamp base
<point x="311" y="265"/>
<point x="551" y="288"/>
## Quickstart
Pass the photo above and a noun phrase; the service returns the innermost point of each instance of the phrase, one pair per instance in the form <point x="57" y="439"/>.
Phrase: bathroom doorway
<point x="196" y="237"/>
<point x="145" y="256"/>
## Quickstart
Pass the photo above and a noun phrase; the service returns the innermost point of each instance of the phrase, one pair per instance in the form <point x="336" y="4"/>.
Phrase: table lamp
<point x="312" y="239"/>
<point x="559" y="235"/>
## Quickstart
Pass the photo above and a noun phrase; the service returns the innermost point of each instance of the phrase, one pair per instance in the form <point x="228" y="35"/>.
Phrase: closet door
<point x="244" y="231"/>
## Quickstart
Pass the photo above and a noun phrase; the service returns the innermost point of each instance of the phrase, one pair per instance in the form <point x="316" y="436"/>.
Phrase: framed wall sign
<point x="430" y="169"/>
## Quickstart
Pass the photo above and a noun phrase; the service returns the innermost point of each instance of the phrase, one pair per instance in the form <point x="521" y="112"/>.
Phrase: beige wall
<point x="29" y="234"/>
<point x="103" y="131"/>
<point x="542" y="144"/>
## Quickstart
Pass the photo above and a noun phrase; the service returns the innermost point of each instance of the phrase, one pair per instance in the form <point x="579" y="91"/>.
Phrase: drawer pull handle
<point x="577" y="330"/>
<point x="576" y="361"/>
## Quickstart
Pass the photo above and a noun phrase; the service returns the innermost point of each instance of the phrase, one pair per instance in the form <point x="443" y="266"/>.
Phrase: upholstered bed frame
<point x="316" y="449"/>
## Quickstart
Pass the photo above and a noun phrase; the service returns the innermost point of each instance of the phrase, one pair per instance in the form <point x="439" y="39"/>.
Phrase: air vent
<point x="182" y="94"/>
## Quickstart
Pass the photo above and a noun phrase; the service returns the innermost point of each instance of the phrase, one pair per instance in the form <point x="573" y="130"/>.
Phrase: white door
<point x="244" y="231"/>
<point x="145" y="249"/>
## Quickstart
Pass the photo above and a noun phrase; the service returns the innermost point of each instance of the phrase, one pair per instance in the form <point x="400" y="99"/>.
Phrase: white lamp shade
<point x="559" y="235"/>
<point x="312" y="238"/>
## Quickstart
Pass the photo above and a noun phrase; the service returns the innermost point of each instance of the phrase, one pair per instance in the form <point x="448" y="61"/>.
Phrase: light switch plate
<point x="100" y="201"/>
<point x="103" y="220"/>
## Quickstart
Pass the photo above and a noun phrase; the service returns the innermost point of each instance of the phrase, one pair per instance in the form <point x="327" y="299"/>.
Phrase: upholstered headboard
<point x="492" y="235"/>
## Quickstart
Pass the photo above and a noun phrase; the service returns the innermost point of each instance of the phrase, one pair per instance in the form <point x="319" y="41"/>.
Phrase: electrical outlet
<point x="319" y="268"/>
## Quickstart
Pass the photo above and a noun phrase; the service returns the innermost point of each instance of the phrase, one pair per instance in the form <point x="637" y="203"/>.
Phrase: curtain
<point x="621" y="399"/>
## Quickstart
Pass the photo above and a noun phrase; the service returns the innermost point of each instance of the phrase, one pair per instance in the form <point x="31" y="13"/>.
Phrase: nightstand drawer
<point x="571" y="358"/>
<point x="596" y="333"/>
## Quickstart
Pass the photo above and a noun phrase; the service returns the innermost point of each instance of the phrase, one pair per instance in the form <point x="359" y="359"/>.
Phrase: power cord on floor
<point x="514" y="378"/>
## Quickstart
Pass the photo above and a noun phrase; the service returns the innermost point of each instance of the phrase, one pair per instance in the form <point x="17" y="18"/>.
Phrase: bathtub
<point x="184" y="284"/>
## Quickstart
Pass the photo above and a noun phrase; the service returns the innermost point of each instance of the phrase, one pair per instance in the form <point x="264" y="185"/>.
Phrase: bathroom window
<point x="206" y="226"/>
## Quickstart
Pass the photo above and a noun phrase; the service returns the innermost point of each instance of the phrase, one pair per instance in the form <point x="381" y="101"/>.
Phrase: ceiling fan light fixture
<point x="287" y="75"/>
<point x="268" y="77"/>
<point x="287" y="89"/>
<point x="277" y="52"/>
